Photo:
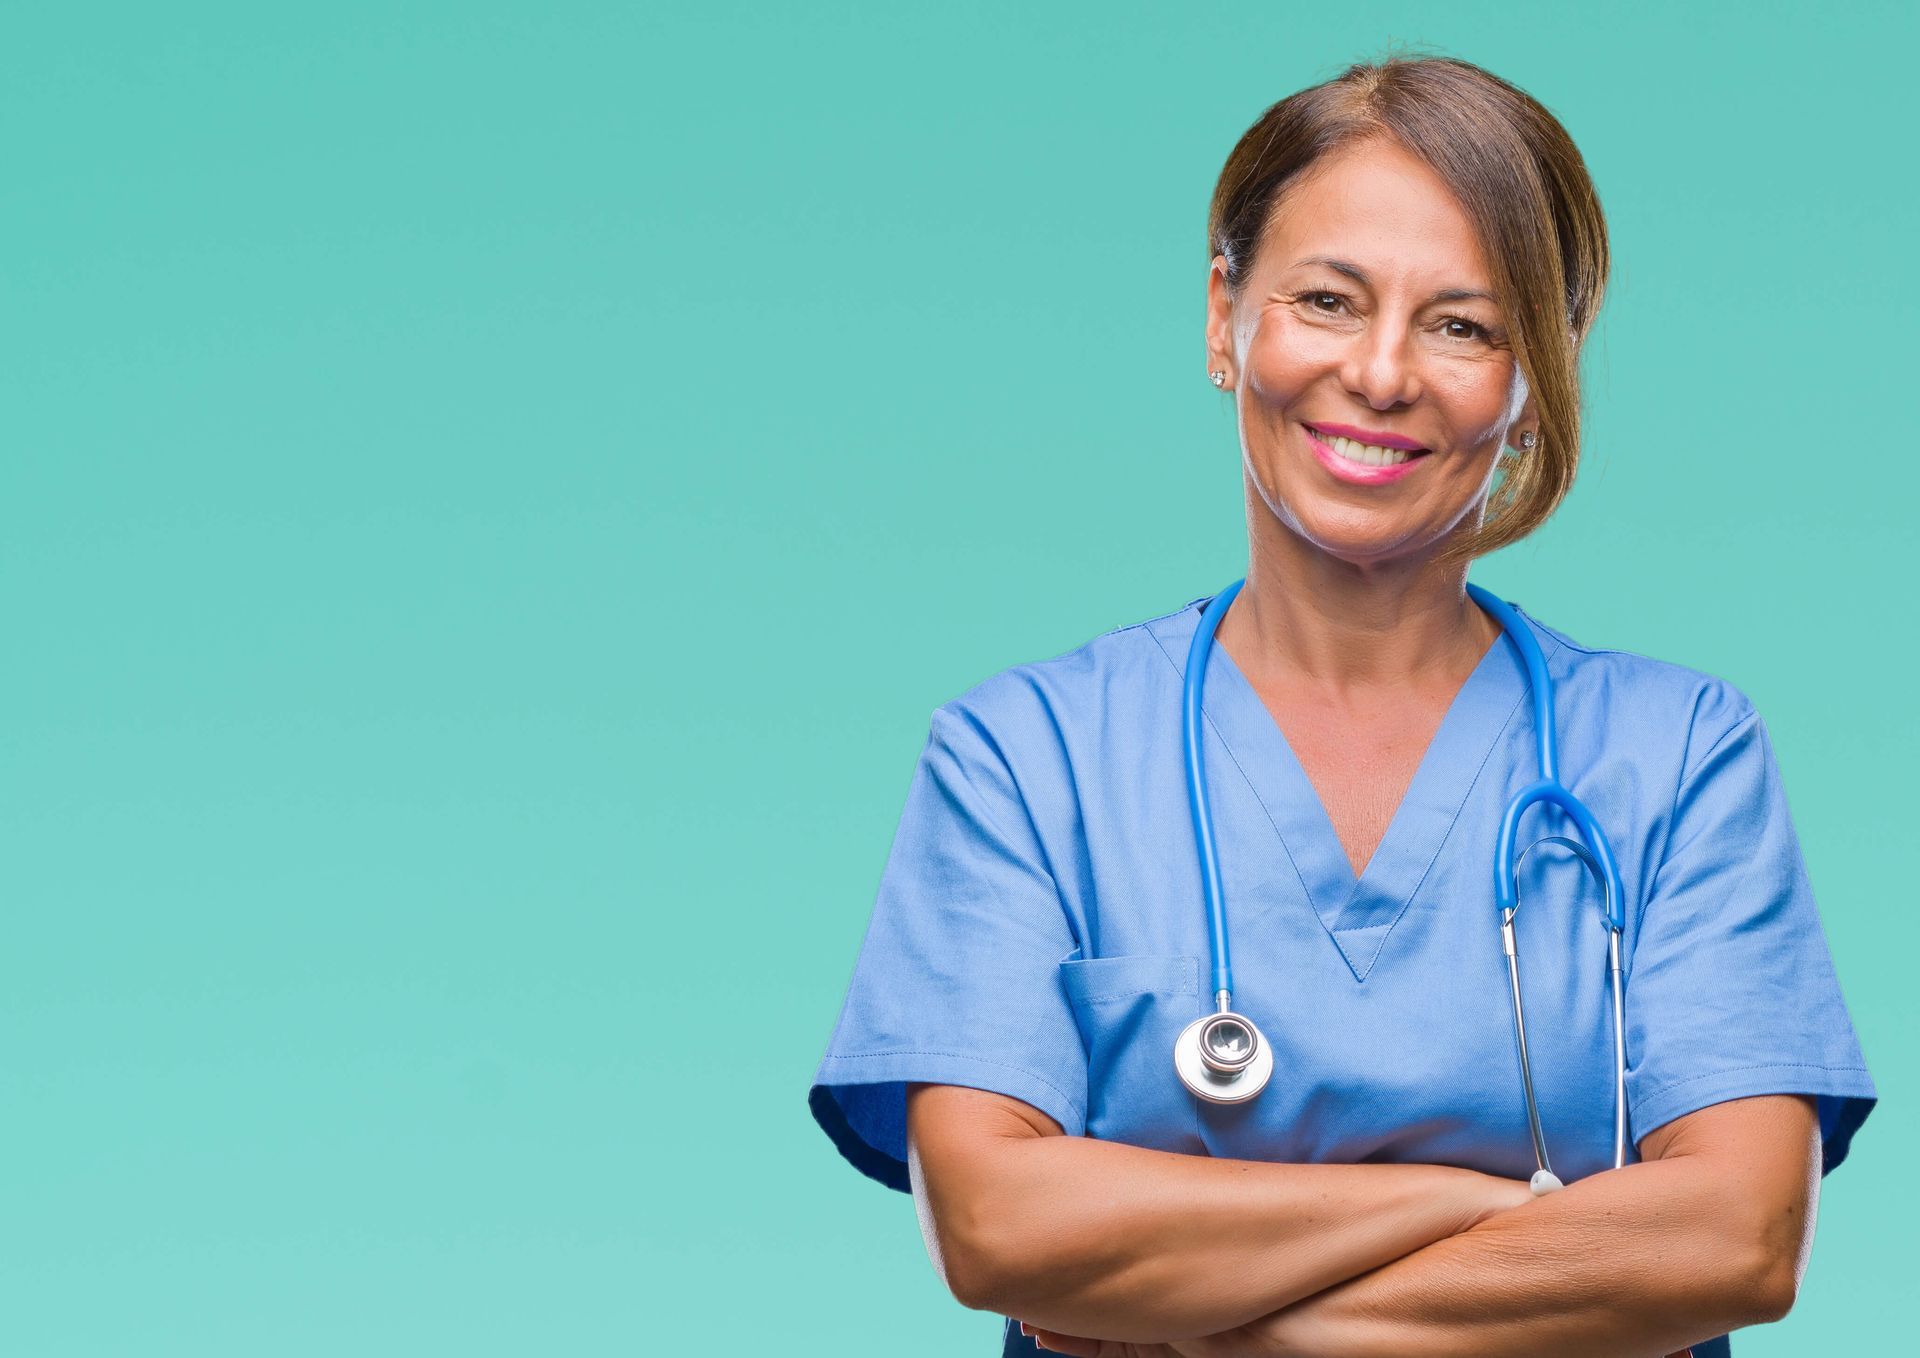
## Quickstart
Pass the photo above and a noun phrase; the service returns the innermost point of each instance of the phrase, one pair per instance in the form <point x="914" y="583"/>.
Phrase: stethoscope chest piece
<point x="1222" y="1058"/>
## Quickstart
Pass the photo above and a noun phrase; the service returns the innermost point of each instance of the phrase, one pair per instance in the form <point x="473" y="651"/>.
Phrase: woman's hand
<point x="1054" y="1342"/>
<point x="1244" y="1342"/>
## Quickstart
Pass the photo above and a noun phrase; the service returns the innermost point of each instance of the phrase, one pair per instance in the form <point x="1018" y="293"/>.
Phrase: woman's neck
<point x="1310" y="620"/>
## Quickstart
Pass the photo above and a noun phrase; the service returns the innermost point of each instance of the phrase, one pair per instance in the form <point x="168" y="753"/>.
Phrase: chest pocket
<point x="1129" y="1010"/>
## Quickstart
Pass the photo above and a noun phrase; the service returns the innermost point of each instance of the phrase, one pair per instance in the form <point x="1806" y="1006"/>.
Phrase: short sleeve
<point x="1731" y="990"/>
<point x="957" y="980"/>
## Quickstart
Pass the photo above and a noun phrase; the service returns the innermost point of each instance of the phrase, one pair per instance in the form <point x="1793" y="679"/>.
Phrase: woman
<point x="1405" y="263"/>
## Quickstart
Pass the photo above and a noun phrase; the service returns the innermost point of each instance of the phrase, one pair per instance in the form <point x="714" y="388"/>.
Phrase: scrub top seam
<point x="973" y="722"/>
<point x="1453" y="822"/>
<point x="1144" y="623"/>
<point x="1652" y="879"/>
<point x="1744" y="1070"/>
<point x="1753" y="714"/>
<point x="1567" y="643"/>
<point x="1038" y="1078"/>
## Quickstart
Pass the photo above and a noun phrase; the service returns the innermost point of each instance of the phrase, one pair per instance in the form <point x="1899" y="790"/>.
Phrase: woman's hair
<point x="1525" y="188"/>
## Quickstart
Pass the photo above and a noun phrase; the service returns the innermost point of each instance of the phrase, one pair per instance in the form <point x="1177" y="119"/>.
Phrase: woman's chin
<point x="1365" y="540"/>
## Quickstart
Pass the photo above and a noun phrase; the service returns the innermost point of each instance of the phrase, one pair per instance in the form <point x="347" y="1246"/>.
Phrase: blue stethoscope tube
<point x="1221" y="1056"/>
<point x="1197" y="802"/>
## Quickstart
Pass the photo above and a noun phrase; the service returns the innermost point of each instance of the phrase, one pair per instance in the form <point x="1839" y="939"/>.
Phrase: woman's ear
<point x="1220" y="326"/>
<point x="1523" y="435"/>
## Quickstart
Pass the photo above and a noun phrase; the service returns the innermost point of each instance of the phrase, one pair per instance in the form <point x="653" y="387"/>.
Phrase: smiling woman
<point x="1403" y="265"/>
<point x="1424" y="210"/>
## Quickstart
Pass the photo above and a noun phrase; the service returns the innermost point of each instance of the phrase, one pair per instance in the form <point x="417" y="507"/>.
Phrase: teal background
<point x="491" y="495"/>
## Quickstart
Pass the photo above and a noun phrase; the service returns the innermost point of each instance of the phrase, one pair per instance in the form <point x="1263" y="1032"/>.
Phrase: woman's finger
<point x="1082" y="1347"/>
<point x="1070" y="1343"/>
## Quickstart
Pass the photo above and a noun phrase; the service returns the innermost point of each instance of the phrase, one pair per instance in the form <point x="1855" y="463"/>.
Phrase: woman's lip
<point x="1378" y="438"/>
<point x="1357" y="473"/>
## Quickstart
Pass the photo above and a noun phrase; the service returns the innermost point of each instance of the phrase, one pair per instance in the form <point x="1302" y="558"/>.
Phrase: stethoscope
<point x="1222" y="1057"/>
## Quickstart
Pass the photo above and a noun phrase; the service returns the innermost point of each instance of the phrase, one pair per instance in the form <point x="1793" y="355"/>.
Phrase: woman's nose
<point x="1379" y="367"/>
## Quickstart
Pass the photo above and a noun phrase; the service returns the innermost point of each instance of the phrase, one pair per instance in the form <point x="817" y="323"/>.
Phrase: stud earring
<point x="1528" y="439"/>
<point x="1219" y="376"/>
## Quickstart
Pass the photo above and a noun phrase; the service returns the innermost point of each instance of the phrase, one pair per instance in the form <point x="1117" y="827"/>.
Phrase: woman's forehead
<point x="1384" y="212"/>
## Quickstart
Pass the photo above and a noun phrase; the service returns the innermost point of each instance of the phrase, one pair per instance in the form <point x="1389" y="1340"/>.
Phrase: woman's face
<point x="1353" y="321"/>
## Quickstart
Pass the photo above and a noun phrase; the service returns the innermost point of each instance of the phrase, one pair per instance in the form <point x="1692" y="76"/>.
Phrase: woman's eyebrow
<point x="1359" y="275"/>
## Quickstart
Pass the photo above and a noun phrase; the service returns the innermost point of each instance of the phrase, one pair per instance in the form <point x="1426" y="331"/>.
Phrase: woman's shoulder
<point x="1640" y="687"/>
<point x="1126" y="669"/>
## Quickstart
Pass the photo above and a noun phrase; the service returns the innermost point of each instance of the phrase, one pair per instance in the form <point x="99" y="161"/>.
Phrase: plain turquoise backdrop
<point x="492" y="493"/>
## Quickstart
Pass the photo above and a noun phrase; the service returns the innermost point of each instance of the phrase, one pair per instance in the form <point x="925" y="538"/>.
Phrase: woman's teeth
<point x="1364" y="453"/>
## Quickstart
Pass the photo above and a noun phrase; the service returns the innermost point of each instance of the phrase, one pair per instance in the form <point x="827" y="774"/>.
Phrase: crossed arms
<point x="1164" y="1254"/>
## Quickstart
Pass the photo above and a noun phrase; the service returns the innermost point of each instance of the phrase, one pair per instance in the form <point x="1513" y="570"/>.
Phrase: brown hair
<point x="1526" y="190"/>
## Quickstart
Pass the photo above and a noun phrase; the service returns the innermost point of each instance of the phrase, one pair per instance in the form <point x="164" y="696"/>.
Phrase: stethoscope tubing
<point x="1197" y="802"/>
<point x="1596" y="853"/>
<point x="1548" y="788"/>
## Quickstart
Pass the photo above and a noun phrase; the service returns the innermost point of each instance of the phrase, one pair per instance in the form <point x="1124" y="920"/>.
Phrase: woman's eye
<point x="1324" y="303"/>
<point x="1453" y="327"/>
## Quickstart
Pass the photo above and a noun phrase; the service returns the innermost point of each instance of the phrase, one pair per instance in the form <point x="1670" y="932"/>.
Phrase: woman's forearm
<point x="1642" y="1260"/>
<point x="1097" y="1237"/>
<point x="1147" y="1245"/>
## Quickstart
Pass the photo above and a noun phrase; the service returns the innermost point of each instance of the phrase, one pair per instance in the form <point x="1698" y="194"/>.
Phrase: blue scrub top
<point x="1040" y="931"/>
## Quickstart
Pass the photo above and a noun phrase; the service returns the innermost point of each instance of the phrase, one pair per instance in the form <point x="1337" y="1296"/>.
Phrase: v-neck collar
<point x="1358" y="913"/>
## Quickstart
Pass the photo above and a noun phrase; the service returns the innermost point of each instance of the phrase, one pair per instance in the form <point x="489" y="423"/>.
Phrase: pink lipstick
<point x="1379" y="438"/>
<point x="1359" y="473"/>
